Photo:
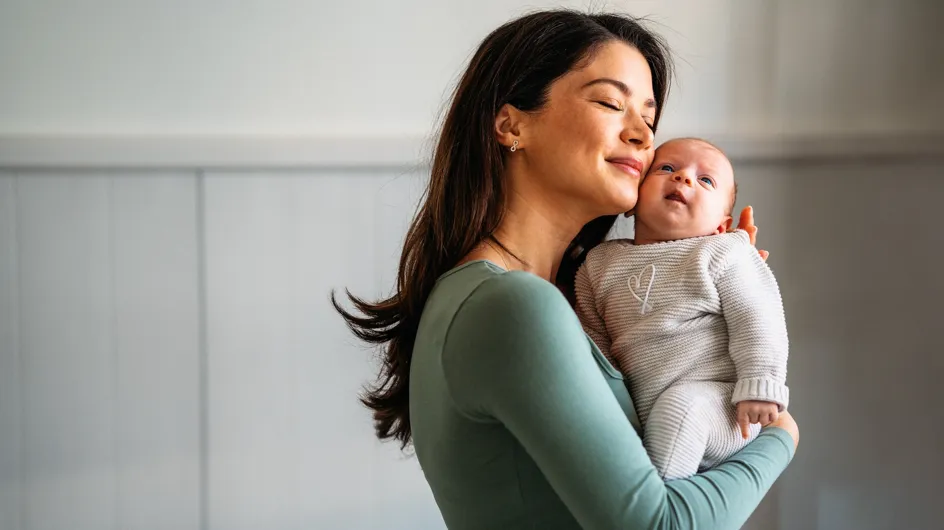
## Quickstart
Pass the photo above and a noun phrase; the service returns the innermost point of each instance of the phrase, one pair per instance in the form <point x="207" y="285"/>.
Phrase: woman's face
<point x="591" y="143"/>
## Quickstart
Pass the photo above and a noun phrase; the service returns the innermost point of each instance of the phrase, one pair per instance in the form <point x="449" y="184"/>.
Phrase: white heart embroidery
<point x="637" y="280"/>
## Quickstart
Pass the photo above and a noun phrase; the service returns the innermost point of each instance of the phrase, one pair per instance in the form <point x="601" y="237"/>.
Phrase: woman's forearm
<point x="725" y="496"/>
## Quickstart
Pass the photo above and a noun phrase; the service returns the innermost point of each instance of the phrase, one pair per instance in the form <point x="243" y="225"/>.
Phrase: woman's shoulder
<point x="517" y="294"/>
<point x="485" y="293"/>
<point x="486" y="302"/>
<point x="506" y="323"/>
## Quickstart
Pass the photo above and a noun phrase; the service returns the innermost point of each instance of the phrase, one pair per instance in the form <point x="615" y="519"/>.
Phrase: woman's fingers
<point x="786" y="422"/>
<point x="746" y="223"/>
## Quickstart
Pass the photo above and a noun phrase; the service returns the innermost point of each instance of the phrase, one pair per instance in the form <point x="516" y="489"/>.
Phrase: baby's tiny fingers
<point x="745" y="424"/>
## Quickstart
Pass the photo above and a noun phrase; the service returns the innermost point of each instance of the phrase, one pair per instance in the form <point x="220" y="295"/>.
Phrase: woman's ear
<point x="509" y="125"/>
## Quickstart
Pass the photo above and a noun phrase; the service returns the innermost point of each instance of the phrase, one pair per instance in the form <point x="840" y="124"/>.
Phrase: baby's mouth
<point x="676" y="196"/>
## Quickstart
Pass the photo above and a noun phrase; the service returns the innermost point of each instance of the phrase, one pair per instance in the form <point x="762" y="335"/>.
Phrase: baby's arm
<point x="586" y="308"/>
<point x="757" y="334"/>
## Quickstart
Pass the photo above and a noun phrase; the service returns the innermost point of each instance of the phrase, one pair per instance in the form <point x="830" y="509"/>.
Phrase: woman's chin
<point x="623" y="203"/>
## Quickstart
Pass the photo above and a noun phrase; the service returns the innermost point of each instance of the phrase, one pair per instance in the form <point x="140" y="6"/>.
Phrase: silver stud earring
<point x="514" y="146"/>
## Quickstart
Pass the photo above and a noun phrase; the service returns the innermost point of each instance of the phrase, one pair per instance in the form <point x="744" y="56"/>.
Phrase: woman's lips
<point x="627" y="165"/>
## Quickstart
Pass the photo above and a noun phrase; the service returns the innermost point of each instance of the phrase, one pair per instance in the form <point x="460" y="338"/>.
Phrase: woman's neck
<point x="535" y="233"/>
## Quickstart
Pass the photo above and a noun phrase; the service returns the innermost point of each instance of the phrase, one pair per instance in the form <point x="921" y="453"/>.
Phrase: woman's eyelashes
<point x="611" y="106"/>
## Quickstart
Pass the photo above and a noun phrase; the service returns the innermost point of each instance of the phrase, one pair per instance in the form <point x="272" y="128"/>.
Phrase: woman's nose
<point x="641" y="137"/>
<point x="639" y="133"/>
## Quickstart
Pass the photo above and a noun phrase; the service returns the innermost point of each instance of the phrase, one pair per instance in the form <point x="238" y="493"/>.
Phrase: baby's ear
<point x="725" y="225"/>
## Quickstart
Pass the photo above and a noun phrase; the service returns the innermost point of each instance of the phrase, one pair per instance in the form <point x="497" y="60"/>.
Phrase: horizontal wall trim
<point x="212" y="152"/>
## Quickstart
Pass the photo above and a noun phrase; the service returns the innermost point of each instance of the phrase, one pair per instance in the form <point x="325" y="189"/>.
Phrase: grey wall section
<point x="11" y="421"/>
<point x="68" y="376"/>
<point x="101" y="403"/>
<point x="857" y="248"/>
<point x="156" y="350"/>
<point x="866" y="306"/>
<point x="290" y="446"/>
<point x="99" y="351"/>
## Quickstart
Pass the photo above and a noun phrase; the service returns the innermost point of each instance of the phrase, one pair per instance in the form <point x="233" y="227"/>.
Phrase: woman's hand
<point x="746" y="223"/>
<point x="786" y="422"/>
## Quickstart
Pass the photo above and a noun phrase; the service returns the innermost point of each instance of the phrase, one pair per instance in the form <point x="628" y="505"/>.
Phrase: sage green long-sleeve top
<point x="520" y="422"/>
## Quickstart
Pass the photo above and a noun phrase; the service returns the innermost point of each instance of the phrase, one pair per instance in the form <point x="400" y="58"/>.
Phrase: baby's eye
<point x="666" y="167"/>
<point x="708" y="181"/>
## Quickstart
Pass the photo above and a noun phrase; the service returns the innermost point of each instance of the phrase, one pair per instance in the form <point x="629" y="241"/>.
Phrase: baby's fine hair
<point x="734" y="190"/>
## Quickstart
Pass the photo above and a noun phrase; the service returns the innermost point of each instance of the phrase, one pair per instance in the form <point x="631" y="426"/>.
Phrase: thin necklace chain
<point x="500" y="254"/>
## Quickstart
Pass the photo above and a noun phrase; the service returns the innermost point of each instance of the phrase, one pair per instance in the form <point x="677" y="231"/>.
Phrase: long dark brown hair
<point x="463" y="203"/>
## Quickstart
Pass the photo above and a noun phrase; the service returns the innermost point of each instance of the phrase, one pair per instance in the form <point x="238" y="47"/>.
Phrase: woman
<point x="516" y="418"/>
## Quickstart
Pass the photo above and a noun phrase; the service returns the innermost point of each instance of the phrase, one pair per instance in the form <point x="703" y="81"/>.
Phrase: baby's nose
<point x="683" y="179"/>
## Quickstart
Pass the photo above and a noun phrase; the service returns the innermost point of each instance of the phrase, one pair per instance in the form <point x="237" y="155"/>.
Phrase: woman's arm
<point x="515" y="352"/>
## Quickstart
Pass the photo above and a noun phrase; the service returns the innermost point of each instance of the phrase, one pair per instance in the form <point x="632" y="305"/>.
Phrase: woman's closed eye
<point x="611" y="106"/>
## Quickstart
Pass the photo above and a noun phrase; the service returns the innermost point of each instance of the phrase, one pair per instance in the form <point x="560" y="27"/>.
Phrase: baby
<point x="690" y="314"/>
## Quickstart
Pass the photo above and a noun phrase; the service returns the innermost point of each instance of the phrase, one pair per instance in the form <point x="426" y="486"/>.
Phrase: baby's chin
<point x="675" y="234"/>
<point x="672" y="230"/>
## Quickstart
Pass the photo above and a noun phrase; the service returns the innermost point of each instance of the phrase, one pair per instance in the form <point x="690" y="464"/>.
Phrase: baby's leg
<point x="692" y="426"/>
<point x="725" y="436"/>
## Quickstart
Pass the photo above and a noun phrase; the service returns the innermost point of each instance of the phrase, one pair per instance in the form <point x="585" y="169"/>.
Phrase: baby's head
<point x="688" y="192"/>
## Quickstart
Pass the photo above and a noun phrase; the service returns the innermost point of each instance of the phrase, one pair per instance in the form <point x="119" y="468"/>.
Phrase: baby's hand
<point x="763" y="412"/>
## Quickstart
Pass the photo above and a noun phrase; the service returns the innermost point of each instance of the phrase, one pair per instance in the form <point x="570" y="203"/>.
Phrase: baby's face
<point x="687" y="192"/>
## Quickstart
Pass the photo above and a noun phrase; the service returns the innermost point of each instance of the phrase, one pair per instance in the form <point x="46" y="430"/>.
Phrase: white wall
<point x="748" y="71"/>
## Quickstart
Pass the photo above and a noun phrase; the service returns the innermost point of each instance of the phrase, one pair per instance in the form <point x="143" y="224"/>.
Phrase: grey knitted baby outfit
<point x="696" y="326"/>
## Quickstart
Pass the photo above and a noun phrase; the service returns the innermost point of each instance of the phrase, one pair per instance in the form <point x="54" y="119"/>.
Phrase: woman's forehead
<point x="618" y="61"/>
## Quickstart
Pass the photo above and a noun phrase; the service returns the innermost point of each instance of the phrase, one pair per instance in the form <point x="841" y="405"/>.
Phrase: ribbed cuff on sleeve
<point x="761" y="389"/>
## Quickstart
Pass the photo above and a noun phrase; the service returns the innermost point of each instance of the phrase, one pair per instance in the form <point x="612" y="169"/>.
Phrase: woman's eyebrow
<point x="621" y="86"/>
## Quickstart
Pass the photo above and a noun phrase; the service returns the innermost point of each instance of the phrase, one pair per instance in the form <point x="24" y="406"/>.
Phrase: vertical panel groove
<point x="112" y="343"/>
<point x="18" y="352"/>
<point x="203" y="351"/>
